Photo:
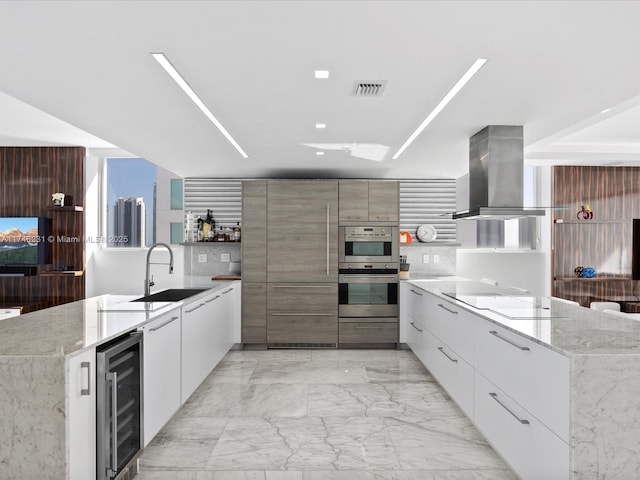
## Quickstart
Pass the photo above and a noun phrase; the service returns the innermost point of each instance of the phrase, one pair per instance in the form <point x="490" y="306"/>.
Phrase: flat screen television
<point x="24" y="241"/>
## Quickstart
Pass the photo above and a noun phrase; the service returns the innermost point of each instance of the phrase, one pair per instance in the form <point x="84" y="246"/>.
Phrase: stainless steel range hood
<point x="496" y="158"/>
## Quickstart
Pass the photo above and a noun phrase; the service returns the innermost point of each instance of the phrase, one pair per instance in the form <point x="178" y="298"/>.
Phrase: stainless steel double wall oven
<point x="368" y="271"/>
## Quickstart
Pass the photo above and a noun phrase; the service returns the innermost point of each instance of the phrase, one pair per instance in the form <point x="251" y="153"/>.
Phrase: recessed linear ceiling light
<point x="321" y="74"/>
<point x="182" y="83"/>
<point x="606" y="110"/>
<point x="319" y="153"/>
<point x="477" y="65"/>
<point x="321" y="125"/>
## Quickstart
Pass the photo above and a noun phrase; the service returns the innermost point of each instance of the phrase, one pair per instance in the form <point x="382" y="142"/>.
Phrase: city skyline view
<point x="131" y="178"/>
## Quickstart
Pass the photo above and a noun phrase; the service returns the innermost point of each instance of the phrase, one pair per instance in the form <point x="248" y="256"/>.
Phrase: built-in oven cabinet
<point x="368" y="201"/>
<point x="371" y="332"/>
<point x="302" y="314"/>
<point x="161" y="356"/>
<point x="81" y="415"/>
<point x="302" y="233"/>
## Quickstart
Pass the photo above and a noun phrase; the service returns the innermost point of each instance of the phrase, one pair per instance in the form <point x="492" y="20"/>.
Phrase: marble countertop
<point x="73" y="327"/>
<point x="565" y="328"/>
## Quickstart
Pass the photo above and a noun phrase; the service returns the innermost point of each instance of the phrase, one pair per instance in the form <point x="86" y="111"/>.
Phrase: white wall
<point x="123" y="270"/>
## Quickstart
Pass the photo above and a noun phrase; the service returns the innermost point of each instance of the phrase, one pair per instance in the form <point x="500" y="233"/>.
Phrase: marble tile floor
<point x="320" y="415"/>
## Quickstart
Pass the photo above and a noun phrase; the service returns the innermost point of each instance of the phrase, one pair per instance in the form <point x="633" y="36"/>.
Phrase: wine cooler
<point x="119" y="407"/>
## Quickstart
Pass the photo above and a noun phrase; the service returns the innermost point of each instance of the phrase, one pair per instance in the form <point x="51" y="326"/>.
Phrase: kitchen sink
<point x="171" y="295"/>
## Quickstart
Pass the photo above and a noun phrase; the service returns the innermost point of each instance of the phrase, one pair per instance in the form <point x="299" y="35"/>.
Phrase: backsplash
<point x="214" y="265"/>
<point x="446" y="256"/>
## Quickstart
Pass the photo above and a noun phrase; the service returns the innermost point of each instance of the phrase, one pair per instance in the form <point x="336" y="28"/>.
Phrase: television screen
<point x="22" y="241"/>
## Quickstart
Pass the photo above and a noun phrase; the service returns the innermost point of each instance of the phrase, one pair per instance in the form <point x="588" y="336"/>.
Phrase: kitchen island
<point x="552" y="386"/>
<point x="48" y="428"/>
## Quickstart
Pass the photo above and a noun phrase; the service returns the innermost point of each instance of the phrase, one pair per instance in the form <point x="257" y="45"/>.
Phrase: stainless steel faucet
<point x="148" y="282"/>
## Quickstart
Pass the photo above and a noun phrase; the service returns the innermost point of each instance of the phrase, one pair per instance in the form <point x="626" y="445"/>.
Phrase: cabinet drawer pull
<point x="302" y="286"/>
<point x="194" y="308"/>
<point x="511" y="342"/>
<point x="495" y="397"/>
<point x="253" y="286"/>
<point x="413" y="291"/>
<point x="450" y="311"/>
<point x="414" y="326"/>
<point x="212" y="299"/>
<point x="154" y="329"/>
<point x="227" y="291"/>
<point x="287" y="314"/>
<point x="86" y="391"/>
<point x="367" y="328"/>
<point x="454" y="360"/>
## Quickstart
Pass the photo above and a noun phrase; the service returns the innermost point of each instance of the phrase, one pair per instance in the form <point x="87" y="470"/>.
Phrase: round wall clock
<point x="426" y="233"/>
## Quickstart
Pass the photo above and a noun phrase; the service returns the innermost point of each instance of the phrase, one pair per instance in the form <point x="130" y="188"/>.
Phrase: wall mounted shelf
<point x="69" y="208"/>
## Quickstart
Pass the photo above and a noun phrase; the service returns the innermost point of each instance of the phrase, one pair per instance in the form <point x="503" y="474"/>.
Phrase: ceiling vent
<point x="370" y="88"/>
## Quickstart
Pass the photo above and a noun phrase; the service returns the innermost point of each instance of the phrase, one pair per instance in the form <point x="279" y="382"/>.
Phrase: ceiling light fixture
<point x="321" y="125"/>
<point x="182" y="83"/>
<point x="606" y="110"/>
<point x="321" y="74"/>
<point x="319" y="153"/>
<point x="477" y="65"/>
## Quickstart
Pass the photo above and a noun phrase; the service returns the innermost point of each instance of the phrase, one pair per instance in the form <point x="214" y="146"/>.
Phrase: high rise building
<point x="129" y="222"/>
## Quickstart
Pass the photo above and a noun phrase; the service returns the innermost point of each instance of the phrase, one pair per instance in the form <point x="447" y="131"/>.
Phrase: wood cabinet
<point x="302" y="234"/>
<point x="81" y="415"/>
<point x="372" y="332"/>
<point x="302" y="314"/>
<point x="254" y="231"/>
<point x="161" y="356"/>
<point x="375" y="201"/>
<point x="254" y="313"/>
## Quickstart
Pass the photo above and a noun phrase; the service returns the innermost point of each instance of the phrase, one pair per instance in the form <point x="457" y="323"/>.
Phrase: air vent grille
<point x="371" y="88"/>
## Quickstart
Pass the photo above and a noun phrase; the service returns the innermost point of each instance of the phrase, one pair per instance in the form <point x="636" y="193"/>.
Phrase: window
<point x="130" y="203"/>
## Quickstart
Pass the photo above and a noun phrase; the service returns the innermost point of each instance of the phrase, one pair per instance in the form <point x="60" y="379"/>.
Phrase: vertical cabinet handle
<point x="327" y="239"/>
<point x="86" y="391"/>
<point x="114" y="421"/>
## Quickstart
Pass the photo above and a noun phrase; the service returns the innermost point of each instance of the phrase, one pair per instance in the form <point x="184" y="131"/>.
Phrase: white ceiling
<point x="553" y="67"/>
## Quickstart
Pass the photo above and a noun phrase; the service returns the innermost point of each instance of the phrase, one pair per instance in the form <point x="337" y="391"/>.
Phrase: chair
<point x="617" y="313"/>
<point x="605" y="306"/>
<point x="564" y="300"/>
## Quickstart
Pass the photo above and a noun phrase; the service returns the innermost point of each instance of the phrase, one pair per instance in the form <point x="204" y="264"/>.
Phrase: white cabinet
<point x="535" y="376"/>
<point x="534" y="451"/>
<point x="81" y="415"/>
<point x="207" y="335"/>
<point x="161" y="353"/>
<point x="451" y="370"/>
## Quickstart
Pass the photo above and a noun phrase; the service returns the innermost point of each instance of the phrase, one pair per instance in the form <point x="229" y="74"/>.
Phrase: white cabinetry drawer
<point x="451" y="370"/>
<point x="451" y="324"/>
<point x="532" y="450"/>
<point x="416" y="308"/>
<point x="535" y="376"/>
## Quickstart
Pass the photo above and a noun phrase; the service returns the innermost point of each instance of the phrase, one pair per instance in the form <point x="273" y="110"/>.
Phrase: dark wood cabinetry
<point x="604" y="242"/>
<point x="29" y="176"/>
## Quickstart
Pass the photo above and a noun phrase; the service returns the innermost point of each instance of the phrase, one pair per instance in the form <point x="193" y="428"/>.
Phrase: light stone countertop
<point x="568" y="329"/>
<point x="69" y="329"/>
